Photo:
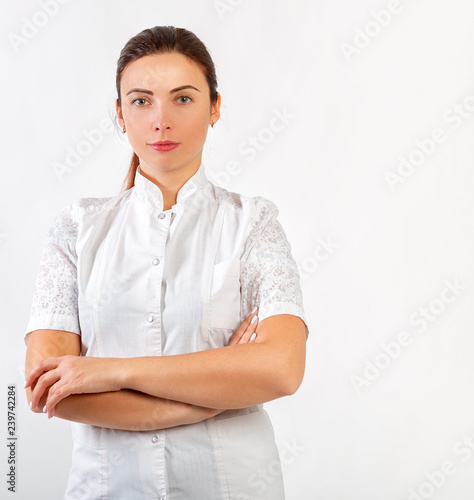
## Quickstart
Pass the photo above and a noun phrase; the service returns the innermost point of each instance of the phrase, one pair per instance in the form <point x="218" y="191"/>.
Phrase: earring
<point x="212" y="124"/>
<point x="123" y="130"/>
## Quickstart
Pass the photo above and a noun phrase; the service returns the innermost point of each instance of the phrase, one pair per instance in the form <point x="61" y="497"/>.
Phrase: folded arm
<point x="239" y="375"/>
<point x="235" y="376"/>
<point x="124" y="409"/>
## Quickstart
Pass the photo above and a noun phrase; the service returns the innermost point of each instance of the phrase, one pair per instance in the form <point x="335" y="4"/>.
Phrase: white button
<point x="155" y="262"/>
<point x="154" y="439"/>
<point x="150" y="318"/>
<point x="161" y="216"/>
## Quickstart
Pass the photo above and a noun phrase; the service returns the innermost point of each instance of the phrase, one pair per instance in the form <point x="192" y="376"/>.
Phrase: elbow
<point x="291" y="385"/>
<point x="291" y="377"/>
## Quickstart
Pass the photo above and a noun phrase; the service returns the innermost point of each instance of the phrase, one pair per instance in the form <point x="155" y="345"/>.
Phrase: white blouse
<point x="133" y="280"/>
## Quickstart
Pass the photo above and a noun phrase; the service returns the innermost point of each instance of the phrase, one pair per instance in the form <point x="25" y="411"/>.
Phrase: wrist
<point x="120" y="374"/>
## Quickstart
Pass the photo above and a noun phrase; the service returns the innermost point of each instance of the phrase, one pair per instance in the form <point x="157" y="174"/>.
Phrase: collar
<point x="148" y="192"/>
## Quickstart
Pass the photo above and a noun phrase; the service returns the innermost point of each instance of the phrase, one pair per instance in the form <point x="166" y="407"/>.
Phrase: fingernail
<point x="31" y="405"/>
<point x="255" y="310"/>
<point x="44" y="409"/>
<point x="252" y="336"/>
<point x="254" y="319"/>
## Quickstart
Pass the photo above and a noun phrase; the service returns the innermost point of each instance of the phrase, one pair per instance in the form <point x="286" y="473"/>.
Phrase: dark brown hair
<point x="161" y="40"/>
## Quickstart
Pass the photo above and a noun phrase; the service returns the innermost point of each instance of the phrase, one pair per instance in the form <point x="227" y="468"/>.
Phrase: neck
<point x="170" y="181"/>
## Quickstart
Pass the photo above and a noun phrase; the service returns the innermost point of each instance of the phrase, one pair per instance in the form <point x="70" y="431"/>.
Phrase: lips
<point x="164" y="145"/>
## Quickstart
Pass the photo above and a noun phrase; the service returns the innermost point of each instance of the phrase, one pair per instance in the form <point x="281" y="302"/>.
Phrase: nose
<point x="162" y="119"/>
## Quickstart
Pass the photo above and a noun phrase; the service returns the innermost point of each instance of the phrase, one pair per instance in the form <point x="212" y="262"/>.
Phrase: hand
<point x="246" y="333"/>
<point x="68" y="375"/>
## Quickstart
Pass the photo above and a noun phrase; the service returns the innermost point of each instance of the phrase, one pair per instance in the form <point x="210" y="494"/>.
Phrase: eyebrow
<point x="177" y="89"/>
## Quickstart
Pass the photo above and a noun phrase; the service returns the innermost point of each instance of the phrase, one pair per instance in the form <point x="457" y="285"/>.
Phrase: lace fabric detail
<point x="55" y="299"/>
<point x="269" y="275"/>
<point x="133" y="283"/>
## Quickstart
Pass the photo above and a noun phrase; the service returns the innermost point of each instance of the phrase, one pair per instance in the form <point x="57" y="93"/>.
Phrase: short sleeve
<point x="269" y="274"/>
<point x="55" y="299"/>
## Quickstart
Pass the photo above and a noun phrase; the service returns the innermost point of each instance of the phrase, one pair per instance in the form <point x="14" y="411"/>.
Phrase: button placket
<point x="160" y="227"/>
<point x="155" y="262"/>
<point x="156" y="251"/>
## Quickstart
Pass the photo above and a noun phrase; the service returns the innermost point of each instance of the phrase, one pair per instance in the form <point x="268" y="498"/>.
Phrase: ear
<point x="118" y="109"/>
<point x="216" y="109"/>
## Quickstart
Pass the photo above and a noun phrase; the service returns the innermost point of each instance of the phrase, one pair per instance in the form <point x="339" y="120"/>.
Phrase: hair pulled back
<point x="161" y="40"/>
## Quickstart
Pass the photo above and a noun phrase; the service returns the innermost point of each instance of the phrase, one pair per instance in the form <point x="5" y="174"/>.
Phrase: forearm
<point x="230" y="377"/>
<point x="128" y="410"/>
<point x="242" y="374"/>
<point x="235" y="376"/>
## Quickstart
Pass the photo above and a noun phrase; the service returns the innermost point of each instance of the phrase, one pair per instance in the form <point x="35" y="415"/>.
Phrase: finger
<point x="43" y="366"/>
<point x="237" y="335"/>
<point x="234" y="339"/>
<point x="57" y="392"/>
<point x="250" y="330"/>
<point x="45" y="381"/>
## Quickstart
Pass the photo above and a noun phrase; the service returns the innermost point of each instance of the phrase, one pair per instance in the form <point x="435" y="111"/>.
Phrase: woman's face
<point x="165" y="97"/>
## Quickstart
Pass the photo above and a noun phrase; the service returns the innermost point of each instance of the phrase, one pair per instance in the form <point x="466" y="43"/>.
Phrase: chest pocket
<point x="225" y="295"/>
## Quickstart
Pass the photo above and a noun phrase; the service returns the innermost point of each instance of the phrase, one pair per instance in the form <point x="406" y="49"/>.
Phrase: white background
<point x="362" y="425"/>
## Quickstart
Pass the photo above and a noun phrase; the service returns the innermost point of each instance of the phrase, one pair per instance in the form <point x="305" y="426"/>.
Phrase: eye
<point x="188" y="99"/>
<point x="140" y="101"/>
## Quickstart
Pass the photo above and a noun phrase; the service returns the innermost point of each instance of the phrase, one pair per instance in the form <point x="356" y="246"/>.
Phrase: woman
<point x="144" y="329"/>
